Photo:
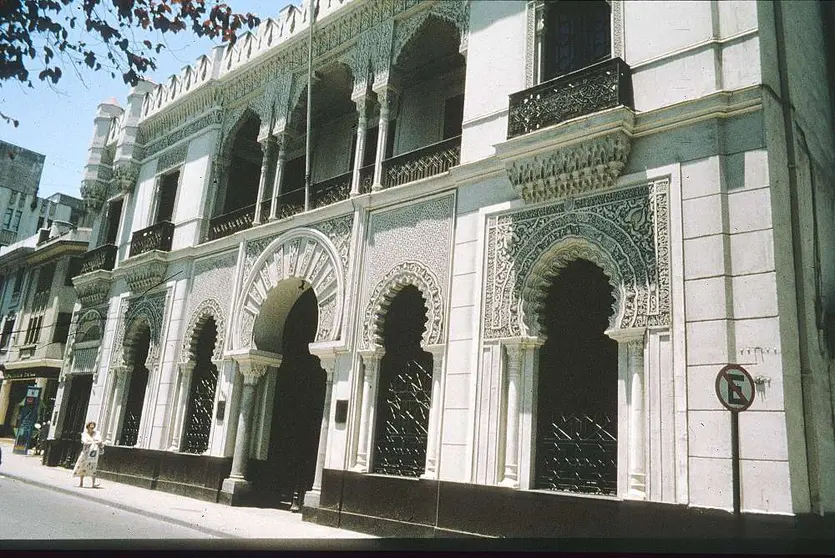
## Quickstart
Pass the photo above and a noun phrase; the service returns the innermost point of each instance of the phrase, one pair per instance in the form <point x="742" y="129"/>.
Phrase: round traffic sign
<point x="735" y="388"/>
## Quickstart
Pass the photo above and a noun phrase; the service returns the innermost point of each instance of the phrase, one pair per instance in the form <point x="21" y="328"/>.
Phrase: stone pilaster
<point x="181" y="407"/>
<point x="387" y="97"/>
<point x="435" y="411"/>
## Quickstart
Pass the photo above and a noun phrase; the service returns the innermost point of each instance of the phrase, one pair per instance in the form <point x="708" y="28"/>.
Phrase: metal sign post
<point x="735" y="390"/>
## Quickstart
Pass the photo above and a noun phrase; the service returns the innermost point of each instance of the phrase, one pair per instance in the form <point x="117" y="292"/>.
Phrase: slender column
<point x="386" y="97"/>
<point x="252" y="365"/>
<point x="637" y="470"/>
<point x="279" y="176"/>
<point x="240" y="458"/>
<point x="511" y="459"/>
<point x="371" y="363"/>
<point x="329" y="365"/>
<point x="435" y="410"/>
<point x="631" y="343"/>
<point x="359" y="154"/>
<point x="183" y="389"/>
<point x="267" y="145"/>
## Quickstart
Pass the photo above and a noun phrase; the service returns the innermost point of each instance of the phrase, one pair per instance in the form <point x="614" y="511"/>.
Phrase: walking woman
<point x="88" y="459"/>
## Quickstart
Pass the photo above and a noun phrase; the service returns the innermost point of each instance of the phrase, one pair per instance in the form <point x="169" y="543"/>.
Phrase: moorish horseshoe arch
<point x="549" y="265"/>
<point x="404" y="274"/>
<point x="302" y="253"/>
<point x="209" y="308"/>
<point x="456" y="13"/>
<point x="149" y="312"/>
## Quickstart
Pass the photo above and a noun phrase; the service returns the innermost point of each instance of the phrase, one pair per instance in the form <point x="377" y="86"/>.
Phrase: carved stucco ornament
<point x="582" y="167"/>
<point x="93" y="288"/>
<point x="94" y="194"/>
<point x="145" y="276"/>
<point x="124" y="176"/>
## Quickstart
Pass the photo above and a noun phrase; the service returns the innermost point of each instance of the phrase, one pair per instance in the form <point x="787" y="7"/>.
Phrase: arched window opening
<point x="577" y="34"/>
<point x="297" y="408"/>
<point x="577" y="407"/>
<point x="244" y="171"/>
<point x="405" y="391"/>
<point x="138" y="382"/>
<point x="202" y="392"/>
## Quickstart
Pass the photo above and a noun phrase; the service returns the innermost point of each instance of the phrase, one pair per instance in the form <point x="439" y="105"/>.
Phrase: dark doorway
<point x="576" y="448"/>
<point x="77" y="401"/>
<point x="244" y="171"/>
<point x="297" y="408"/>
<point x="136" y="389"/>
<point x="405" y="391"/>
<point x="201" y="399"/>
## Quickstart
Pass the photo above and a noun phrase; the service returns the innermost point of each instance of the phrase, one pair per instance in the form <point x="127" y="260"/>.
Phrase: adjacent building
<point x="36" y="301"/>
<point x="533" y="233"/>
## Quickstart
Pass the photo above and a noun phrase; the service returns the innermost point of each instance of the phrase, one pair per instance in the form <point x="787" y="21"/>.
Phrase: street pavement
<point x="192" y="517"/>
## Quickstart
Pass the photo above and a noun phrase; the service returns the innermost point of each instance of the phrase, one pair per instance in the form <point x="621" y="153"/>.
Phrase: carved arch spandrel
<point x="302" y="253"/>
<point x="402" y="275"/>
<point x="208" y="308"/>
<point x="456" y="13"/>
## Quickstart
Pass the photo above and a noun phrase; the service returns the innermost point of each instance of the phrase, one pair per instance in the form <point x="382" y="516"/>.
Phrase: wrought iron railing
<point x="232" y="222"/>
<point x="102" y="258"/>
<point x="598" y="87"/>
<point x="578" y="453"/>
<point x="400" y="448"/>
<point x="331" y="190"/>
<point x="422" y="163"/>
<point x="156" y="237"/>
<point x="366" y="178"/>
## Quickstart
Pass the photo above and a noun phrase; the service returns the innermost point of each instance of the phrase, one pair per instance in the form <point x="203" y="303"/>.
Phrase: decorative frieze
<point x="147" y="275"/>
<point x="92" y="288"/>
<point x="625" y="232"/>
<point x="172" y="157"/>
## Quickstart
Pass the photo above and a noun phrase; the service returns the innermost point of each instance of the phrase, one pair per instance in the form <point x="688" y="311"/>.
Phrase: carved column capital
<point x="254" y="364"/>
<point x="632" y="336"/>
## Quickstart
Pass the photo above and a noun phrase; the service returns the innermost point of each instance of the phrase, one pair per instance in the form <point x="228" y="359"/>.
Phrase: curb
<point x="122" y="507"/>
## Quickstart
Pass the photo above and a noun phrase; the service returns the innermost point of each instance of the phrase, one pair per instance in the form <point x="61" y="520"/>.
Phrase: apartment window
<point x="18" y="282"/>
<point x="73" y="269"/>
<point x="47" y="273"/>
<point x="453" y="116"/>
<point x="11" y="220"/>
<point x="167" y="195"/>
<point x="40" y="223"/>
<point x="13" y="199"/>
<point x="62" y="327"/>
<point x="577" y="34"/>
<point x="114" y="215"/>
<point x="6" y="337"/>
<point x="33" y="332"/>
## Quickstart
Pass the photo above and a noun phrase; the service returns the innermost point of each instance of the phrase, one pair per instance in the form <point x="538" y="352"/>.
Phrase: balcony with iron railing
<point x="422" y="163"/>
<point x="102" y="258"/>
<point x="156" y="237"/>
<point x="408" y="167"/>
<point x="598" y="87"/>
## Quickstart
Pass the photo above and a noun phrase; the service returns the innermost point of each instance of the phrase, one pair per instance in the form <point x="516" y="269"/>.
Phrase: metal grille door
<point x="403" y="430"/>
<point x="578" y="453"/>
<point x="199" y="419"/>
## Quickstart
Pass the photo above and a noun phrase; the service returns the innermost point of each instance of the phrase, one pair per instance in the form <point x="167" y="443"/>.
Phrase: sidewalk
<point x="213" y="519"/>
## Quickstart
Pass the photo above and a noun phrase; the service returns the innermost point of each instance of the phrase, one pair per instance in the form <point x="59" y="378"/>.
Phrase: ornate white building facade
<point x="535" y="232"/>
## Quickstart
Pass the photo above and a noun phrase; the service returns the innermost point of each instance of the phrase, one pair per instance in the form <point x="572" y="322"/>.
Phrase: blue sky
<point x="58" y="120"/>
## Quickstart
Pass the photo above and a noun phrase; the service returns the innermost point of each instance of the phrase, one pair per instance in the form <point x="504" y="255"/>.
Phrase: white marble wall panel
<point x="192" y="207"/>
<point x="685" y="24"/>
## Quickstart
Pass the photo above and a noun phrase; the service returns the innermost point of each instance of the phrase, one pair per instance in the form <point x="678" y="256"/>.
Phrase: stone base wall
<point x="400" y="507"/>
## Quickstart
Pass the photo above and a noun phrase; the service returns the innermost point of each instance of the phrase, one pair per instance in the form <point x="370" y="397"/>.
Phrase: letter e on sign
<point x="735" y="388"/>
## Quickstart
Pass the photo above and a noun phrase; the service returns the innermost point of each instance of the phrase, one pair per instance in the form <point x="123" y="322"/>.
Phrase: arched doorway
<point x="577" y="407"/>
<point x="298" y="401"/>
<point x="138" y="382"/>
<point x="405" y="391"/>
<point x="201" y="393"/>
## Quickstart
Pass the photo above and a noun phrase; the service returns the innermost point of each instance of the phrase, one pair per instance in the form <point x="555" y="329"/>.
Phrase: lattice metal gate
<point x="201" y="407"/>
<point x="133" y="408"/>
<point x="402" y="430"/>
<point x="578" y="453"/>
<point x="79" y="397"/>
